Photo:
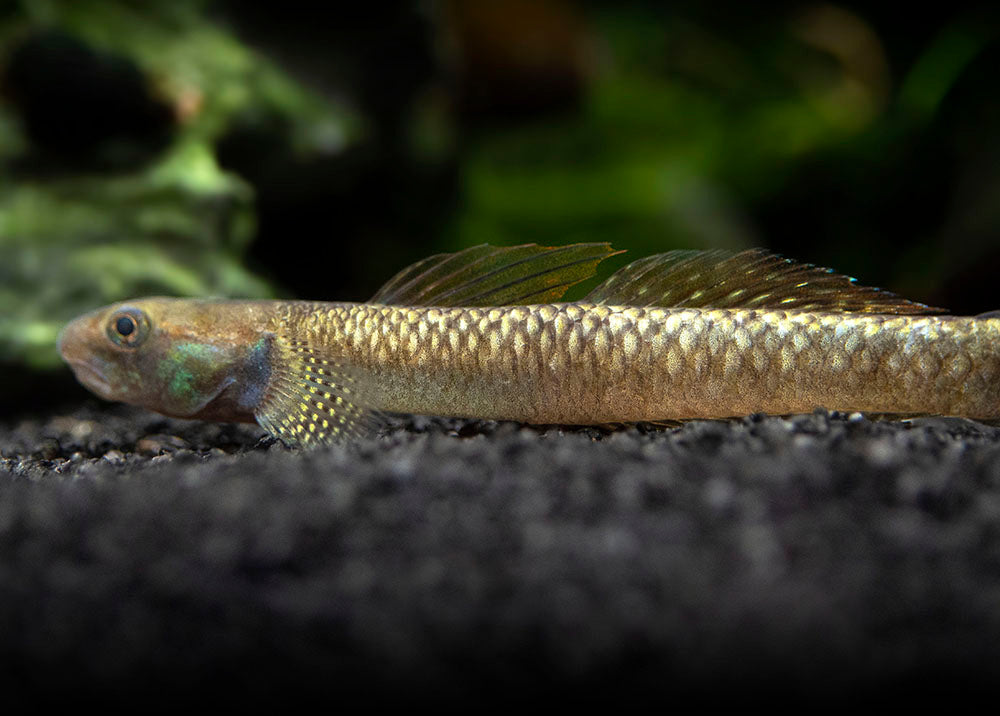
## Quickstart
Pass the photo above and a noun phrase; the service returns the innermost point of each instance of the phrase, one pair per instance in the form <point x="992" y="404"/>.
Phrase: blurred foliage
<point x="94" y="208"/>
<point x="206" y="147"/>
<point x="695" y="128"/>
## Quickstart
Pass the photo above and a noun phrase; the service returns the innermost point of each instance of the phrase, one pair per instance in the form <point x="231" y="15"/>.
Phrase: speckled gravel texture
<point x="823" y="558"/>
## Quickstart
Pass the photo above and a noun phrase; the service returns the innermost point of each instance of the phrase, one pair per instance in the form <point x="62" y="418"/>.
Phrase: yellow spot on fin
<point x="747" y="279"/>
<point x="306" y="401"/>
<point x="494" y="276"/>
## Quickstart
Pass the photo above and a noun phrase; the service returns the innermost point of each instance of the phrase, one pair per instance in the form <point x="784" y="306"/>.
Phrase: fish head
<point x="179" y="357"/>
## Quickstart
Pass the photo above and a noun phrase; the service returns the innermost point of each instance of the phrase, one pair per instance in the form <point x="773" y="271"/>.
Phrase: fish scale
<point x="581" y="363"/>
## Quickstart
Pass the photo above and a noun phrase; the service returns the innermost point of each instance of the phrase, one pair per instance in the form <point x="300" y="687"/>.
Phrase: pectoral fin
<point x="311" y="400"/>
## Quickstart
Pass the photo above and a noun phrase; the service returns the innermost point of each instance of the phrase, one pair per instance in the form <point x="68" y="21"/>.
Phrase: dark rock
<point x="153" y="445"/>
<point x="114" y="457"/>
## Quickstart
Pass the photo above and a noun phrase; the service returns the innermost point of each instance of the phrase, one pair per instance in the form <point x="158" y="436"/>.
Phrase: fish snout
<point x="61" y="341"/>
<point x="76" y="343"/>
<point x="72" y="339"/>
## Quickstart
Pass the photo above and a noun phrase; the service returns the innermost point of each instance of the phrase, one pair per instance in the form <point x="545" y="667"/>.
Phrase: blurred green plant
<point x="678" y="129"/>
<point x="74" y="238"/>
<point x="687" y="125"/>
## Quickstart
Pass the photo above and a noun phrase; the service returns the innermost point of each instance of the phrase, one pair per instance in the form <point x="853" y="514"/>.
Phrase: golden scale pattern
<point x="585" y="363"/>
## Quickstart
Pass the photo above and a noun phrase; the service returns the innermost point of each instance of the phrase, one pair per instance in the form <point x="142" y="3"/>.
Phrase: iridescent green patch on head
<point x="188" y="371"/>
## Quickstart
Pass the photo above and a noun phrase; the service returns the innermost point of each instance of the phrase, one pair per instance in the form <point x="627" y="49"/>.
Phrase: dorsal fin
<point x="989" y="314"/>
<point x="494" y="276"/>
<point x="748" y="279"/>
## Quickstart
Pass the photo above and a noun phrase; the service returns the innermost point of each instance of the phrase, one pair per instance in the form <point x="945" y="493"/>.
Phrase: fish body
<point x="578" y="363"/>
<point x="313" y="371"/>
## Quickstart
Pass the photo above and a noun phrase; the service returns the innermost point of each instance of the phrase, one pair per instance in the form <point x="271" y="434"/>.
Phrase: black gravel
<point x="822" y="559"/>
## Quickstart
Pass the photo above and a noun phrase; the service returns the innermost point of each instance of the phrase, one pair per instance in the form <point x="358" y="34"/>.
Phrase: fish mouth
<point x="91" y="377"/>
<point x="72" y="346"/>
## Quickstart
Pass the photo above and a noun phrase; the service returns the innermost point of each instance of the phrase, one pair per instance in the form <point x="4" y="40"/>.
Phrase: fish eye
<point x="127" y="327"/>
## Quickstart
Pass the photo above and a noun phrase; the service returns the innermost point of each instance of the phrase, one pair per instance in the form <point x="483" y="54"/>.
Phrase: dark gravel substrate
<point x="822" y="557"/>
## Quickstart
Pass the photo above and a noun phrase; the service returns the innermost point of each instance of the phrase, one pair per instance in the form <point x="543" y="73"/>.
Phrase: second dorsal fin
<point x="747" y="279"/>
<point x="494" y="276"/>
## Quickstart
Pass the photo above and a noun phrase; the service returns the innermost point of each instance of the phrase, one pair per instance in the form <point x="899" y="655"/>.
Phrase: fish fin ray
<point x="747" y="279"/>
<point x="312" y="400"/>
<point x="989" y="314"/>
<point x="487" y="275"/>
